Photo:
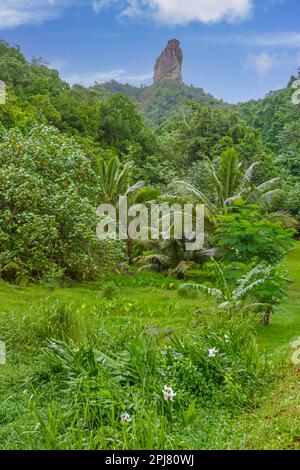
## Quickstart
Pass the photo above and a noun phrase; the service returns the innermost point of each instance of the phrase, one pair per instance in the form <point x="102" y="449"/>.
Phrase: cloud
<point x="20" y="12"/>
<point x="181" y="11"/>
<point x="99" y="5"/>
<point x="204" y="11"/>
<point x="15" y="13"/>
<point x="263" y="63"/>
<point x="287" y="39"/>
<point x="290" y="39"/>
<point x="120" y="75"/>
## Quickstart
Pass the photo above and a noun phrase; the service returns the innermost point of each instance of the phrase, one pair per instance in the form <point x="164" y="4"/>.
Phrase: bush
<point x="244" y="235"/>
<point x="217" y="364"/>
<point x="109" y="291"/>
<point x="48" y="193"/>
<point x="52" y="279"/>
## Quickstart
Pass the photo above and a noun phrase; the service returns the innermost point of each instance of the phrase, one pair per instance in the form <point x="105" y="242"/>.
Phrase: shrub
<point x="220" y="364"/>
<point x="52" y="279"/>
<point x="109" y="291"/>
<point x="245" y="235"/>
<point x="48" y="193"/>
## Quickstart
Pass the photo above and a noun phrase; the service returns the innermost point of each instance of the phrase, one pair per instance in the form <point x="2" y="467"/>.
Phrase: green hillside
<point x="164" y="100"/>
<point x="278" y="119"/>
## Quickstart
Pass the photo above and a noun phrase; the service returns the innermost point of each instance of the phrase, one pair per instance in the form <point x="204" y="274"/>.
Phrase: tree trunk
<point x="129" y="250"/>
<point x="266" y="318"/>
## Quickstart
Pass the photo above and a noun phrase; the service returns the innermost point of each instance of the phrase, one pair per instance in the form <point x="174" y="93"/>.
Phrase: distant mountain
<point x="168" y="96"/>
<point x="162" y="100"/>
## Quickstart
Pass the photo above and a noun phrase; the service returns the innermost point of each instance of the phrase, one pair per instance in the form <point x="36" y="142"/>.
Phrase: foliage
<point x="230" y="184"/>
<point x="109" y="291"/>
<point x="207" y="131"/>
<point x="132" y="380"/>
<point x="276" y="116"/>
<point x="122" y="128"/>
<point x="71" y="397"/>
<point x="114" y="180"/>
<point x="278" y="119"/>
<point x="245" y="235"/>
<point x="169" y="99"/>
<point x="110" y="350"/>
<point x="259" y="289"/>
<point x="48" y="192"/>
<point x="100" y="121"/>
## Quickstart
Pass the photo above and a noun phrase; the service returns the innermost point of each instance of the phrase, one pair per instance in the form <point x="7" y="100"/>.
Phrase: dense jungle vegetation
<point x="143" y="344"/>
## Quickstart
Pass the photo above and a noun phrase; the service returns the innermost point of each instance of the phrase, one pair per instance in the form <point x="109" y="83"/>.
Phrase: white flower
<point x="169" y="394"/>
<point x="126" y="418"/>
<point x="213" y="352"/>
<point x="226" y="337"/>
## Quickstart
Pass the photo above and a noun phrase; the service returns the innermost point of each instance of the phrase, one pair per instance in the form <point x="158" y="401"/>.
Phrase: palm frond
<point x="199" y="195"/>
<point x="284" y="217"/>
<point x="242" y="293"/>
<point x="136" y="187"/>
<point x="248" y="175"/>
<point x="267" y="199"/>
<point x="157" y="258"/>
<point x="183" y="266"/>
<point x="268" y="185"/>
<point x="229" y="172"/>
<point x="251" y="275"/>
<point x="212" y="292"/>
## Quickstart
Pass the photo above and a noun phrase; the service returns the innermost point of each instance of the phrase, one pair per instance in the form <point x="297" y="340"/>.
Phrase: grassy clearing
<point x="51" y="401"/>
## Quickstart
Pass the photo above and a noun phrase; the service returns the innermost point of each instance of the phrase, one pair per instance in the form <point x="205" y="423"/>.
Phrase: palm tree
<point x="169" y="255"/>
<point x="231" y="183"/>
<point x="115" y="181"/>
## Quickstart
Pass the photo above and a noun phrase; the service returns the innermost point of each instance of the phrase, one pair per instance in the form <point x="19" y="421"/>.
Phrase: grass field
<point x="35" y="399"/>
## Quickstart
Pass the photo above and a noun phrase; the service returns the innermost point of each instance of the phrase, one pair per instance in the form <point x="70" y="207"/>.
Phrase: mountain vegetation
<point x="105" y="337"/>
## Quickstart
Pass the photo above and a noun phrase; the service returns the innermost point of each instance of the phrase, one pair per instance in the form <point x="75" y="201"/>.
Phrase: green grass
<point x="285" y="326"/>
<point x="144" y="314"/>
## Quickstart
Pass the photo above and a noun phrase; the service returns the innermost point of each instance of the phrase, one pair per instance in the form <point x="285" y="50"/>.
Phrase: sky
<point x="235" y="49"/>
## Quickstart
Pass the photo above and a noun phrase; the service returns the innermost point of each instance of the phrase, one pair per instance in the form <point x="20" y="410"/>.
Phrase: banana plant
<point x="238" y="299"/>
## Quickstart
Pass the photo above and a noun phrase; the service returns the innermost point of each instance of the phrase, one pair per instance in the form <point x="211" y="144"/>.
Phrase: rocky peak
<point x="169" y="64"/>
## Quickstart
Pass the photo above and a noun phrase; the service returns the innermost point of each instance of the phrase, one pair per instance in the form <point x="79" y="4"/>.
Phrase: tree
<point x="231" y="183"/>
<point x="48" y="192"/>
<point x="246" y="235"/>
<point x="122" y="128"/>
<point x="166" y="255"/>
<point x="115" y="180"/>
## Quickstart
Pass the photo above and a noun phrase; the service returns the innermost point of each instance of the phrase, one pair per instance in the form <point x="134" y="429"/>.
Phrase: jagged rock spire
<point x="169" y="64"/>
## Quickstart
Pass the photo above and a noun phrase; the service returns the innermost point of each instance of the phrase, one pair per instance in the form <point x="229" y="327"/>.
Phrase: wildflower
<point x="226" y="337"/>
<point x="126" y="418"/>
<point x="213" y="352"/>
<point x="169" y="394"/>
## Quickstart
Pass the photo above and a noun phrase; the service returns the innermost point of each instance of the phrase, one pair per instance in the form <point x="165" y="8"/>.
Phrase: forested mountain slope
<point x="278" y="118"/>
<point x="164" y="100"/>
